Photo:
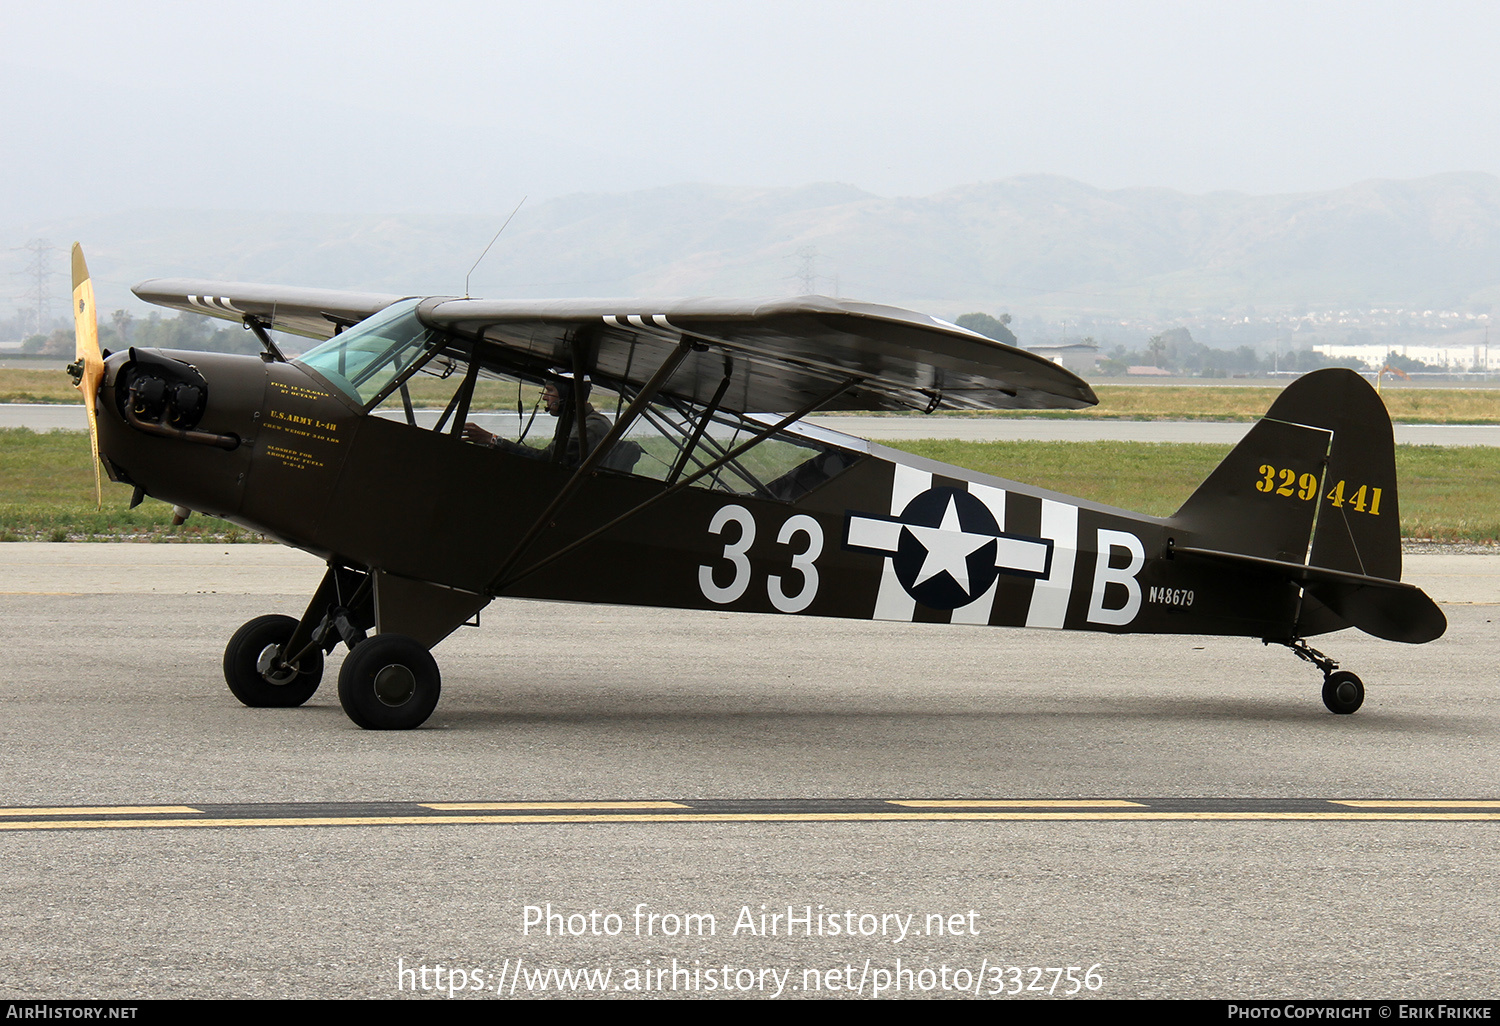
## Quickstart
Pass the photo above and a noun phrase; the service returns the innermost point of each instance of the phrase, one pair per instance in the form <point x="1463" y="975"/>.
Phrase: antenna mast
<point x="487" y="248"/>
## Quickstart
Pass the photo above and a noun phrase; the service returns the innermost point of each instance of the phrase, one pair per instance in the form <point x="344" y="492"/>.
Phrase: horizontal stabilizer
<point x="1396" y="613"/>
<point x="1385" y="608"/>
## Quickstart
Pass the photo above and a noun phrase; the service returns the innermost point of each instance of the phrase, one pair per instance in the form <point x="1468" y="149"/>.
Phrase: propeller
<point x="88" y="368"/>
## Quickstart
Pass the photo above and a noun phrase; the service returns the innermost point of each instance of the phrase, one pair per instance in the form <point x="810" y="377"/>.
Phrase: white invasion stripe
<point x="865" y="533"/>
<point x="892" y="602"/>
<point x="648" y="324"/>
<point x="979" y="610"/>
<point x="908" y="484"/>
<point x="225" y="304"/>
<point x="1049" y="598"/>
<point x="1027" y="556"/>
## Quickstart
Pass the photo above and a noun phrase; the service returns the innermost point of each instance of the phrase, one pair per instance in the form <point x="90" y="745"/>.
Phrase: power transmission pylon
<point x="807" y="273"/>
<point x="39" y="272"/>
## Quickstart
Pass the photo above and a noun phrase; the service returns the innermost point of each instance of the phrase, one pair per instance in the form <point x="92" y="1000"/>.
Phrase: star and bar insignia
<point x="946" y="547"/>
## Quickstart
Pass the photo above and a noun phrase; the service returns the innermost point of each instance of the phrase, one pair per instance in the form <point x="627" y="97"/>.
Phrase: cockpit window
<point x="675" y="445"/>
<point x="363" y="360"/>
<point x="671" y="440"/>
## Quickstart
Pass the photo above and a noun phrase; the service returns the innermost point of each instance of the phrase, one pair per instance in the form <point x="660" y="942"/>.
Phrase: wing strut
<point x="582" y="341"/>
<point x="272" y="353"/>
<point x="500" y="582"/>
<point x="586" y="468"/>
<point x="464" y="394"/>
<point x="708" y="414"/>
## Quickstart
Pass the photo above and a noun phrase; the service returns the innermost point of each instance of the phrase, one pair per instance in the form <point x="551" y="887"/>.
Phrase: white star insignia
<point x="948" y="547"/>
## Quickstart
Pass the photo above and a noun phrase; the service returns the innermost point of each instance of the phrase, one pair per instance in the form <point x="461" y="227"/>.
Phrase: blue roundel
<point x="946" y="555"/>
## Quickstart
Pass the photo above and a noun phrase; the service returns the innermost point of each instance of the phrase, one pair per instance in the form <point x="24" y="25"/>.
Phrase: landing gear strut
<point x="1343" y="692"/>
<point x="388" y="681"/>
<point x="276" y="661"/>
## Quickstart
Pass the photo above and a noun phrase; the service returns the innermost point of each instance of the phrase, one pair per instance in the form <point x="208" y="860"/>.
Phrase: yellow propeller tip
<point x="80" y="269"/>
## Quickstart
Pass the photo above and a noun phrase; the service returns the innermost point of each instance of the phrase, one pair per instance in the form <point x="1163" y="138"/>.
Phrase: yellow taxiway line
<point x="829" y="816"/>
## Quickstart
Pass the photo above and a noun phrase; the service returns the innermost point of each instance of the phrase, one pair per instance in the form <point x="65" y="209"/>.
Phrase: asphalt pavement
<point x="1362" y="863"/>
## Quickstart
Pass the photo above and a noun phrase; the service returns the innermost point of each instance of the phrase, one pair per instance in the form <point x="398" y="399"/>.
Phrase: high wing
<point x="311" y="313"/>
<point x="795" y="349"/>
<point x="779" y="354"/>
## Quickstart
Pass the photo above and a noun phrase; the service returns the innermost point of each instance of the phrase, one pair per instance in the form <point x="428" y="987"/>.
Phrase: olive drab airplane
<point x="393" y="451"/>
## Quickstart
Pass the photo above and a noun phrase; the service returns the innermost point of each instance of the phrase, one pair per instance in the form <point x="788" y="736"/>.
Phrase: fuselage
<point x="886" y="535"/>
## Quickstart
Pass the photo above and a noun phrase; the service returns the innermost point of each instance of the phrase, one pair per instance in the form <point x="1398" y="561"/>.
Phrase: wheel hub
<point x="272" y="668"/>
<point x="1346" y="692"/>
<point x="395" y="684"/>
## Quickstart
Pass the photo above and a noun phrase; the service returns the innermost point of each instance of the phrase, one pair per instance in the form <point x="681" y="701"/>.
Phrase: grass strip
<point x="1249" y="403"/>
<point x="1407" y="405"/>
<point x="1447" y="493"/>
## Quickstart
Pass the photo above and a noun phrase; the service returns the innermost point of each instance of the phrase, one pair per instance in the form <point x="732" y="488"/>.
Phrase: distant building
<point x="1455" y="358"/>
<point x="1078" y="357"/>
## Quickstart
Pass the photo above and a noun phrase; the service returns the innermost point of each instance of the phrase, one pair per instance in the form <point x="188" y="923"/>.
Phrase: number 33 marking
<point x="735" y="552"/>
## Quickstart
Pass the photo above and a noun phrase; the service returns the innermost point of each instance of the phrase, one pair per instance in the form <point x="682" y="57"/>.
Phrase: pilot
<point x="595" y="426"/>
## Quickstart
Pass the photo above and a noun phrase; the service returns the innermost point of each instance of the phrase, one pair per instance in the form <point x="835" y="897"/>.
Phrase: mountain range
<point x="1039" y="246"/>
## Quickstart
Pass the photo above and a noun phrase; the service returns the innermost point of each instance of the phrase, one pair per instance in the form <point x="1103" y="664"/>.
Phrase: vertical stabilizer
<point x="1262" y="500"/>
<point x="1310" y="493"/>
<point x="1313" y="481"/>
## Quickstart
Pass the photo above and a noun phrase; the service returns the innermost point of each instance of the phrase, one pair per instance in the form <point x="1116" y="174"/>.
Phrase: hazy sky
<point x="464" y="107"/>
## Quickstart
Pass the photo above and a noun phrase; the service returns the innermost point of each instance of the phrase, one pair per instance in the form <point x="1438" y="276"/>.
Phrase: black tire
<point x="260" y="687"/>
<point x="1343" y="692"/>
<point x="389" y="682"/>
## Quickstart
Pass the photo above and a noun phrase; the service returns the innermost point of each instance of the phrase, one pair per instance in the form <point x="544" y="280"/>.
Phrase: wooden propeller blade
<point x="89" y="361"/>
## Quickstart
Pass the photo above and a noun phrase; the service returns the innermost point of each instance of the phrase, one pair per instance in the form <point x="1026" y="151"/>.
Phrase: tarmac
<point x="1164" y="817"/>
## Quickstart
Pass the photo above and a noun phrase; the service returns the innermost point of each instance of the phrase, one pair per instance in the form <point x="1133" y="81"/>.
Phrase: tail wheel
<point x="254" y="667"/>
<point x="389" y="682"/>
<point x="1343" y="692"/>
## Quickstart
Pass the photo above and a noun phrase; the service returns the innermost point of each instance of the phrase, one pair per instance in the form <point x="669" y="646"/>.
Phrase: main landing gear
<point x="1343" y="692"/>
<point x="256" y="669"/>
<point x="387" y="682"/>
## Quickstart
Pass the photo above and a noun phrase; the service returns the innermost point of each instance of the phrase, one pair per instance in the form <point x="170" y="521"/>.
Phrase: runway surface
<point x="972" y="429"/>
<point x="1192" y="822"/>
